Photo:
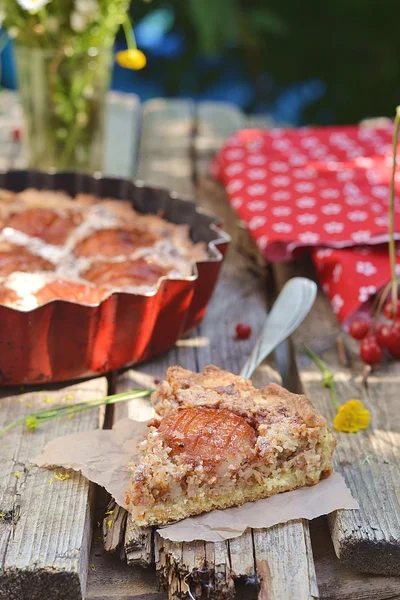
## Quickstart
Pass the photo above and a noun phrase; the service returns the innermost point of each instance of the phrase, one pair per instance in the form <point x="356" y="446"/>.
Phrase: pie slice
<point x="218" y="442"/>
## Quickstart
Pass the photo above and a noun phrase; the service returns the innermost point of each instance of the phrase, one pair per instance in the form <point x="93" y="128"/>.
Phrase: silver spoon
<point x="289" y="310"/>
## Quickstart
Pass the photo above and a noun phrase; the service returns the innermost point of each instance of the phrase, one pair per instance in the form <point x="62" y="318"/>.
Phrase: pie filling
<point x="218" y="442"/>
<point x="81" y="250"/>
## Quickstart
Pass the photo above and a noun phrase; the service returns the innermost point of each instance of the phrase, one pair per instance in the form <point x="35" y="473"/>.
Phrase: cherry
<point x="383" y="333"/>
<point x="16" y="134"/>
<point x="359" y="329"/>
<point x="393" y="340"/>
<point x="370" y="351"/>
<point x="389" y="312"/>
<point x="243" y="331"/>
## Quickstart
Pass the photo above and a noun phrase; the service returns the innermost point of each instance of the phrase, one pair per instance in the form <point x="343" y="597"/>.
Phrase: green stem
<point x="392" y="244"/>
<point x="129" y="34"/>
<point x="327" y="376"/>
<point x="57" y="412"/>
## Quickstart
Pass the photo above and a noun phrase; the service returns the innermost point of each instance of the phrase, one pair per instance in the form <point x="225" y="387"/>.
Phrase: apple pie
<point x="218" y="442"/>
<point x="83" y="249"/>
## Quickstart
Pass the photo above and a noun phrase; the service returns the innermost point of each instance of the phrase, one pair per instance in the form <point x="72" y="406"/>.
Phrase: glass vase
<point x="63" y="96"/>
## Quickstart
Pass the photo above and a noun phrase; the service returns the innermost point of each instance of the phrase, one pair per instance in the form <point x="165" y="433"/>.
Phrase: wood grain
<point x="367" y="540"/>
<point x="46" y="532"/>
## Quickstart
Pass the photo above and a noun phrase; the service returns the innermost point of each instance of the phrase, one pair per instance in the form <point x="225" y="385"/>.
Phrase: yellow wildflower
<point x="351" y="417"/>
<point x="109" y="523"/>
<point x="131" y="59"/>
<point x="31" y="423"/>
<point x="17" y="474"/>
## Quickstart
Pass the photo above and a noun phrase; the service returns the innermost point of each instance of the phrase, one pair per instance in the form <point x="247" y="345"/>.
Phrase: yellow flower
<point x="131" y="59"/>
<point x="351" y="417"/>
<point x="31" y="423"/>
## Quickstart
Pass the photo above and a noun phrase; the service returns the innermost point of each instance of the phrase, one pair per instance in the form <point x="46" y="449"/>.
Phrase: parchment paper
<point x="102" y="456"/>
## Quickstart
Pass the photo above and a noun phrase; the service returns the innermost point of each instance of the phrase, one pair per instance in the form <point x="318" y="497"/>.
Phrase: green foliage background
<point x="353" y="46"/>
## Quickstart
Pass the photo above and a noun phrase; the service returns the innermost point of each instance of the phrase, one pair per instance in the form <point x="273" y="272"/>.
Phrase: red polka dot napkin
<point x="325" y="188"/>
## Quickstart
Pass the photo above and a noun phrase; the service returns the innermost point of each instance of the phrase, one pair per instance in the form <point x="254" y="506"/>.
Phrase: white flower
<point x="257" y="205"/>
<point x="364" y="162"/>
<point x="337" y="303"/>
<point x="257" y="222"/>
<point x="255" y="145"/>
<point x="337" y="273"/>
<point x="305" y="202"/>
<point x="357" y="215"/>
<point x="307" y="219"/>
<point x="329" y="194"/>
<point x="257" y="189"/>
<point x="234" y="169"/>
<point x="304" y="173"/>
<point x="281" y="144"/>
<point x="262" y="242"/>
<point x="237" y="202"/>
<point x="256" y="160"/>
<point x="309" y="142"/>
<point x="365" y="292"/>
<point x="282" y="227"/>
<point x="234" y="154"/>
<point x="331" y="209"/>
<point x="324" y="252"/>
<point x="308" y="237"/>
<point x="357" y="201"/>
<point x="304" y="187"/>
<point x="281" y="211"/>
<point x="376" y="207"/>
<point x="256" y="174"/>
<point x="279" y="167"/>
<point x="361" y="236"/>
<point x="33" y="5"/>
<point x="334" y="227"/>
<point x="319" y="153"/>
<point x="344" y="175"/>
<point x="281" y="196"/>
<point x="280" y="180"/>
<point x="382" y="221"/>
<point x="351" y="189"/>
<point x="297" y="160"/>
<point x="365" y="268"/>
<point x="86" y="6"/>
<point x="78" y="21"/>
<point x="380" y="191"/>
<point x="234" y="186"/>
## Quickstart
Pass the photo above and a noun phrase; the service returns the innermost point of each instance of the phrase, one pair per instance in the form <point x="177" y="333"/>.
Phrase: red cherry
<point x="243" y="331"/>
<point x="359" y="329"/>
<point x="393" y="340"/>
<point x="16" y="134"/>
<point x="383" y="333"/>
<point x="370" y="351"/>
<point x="389" y="312"/>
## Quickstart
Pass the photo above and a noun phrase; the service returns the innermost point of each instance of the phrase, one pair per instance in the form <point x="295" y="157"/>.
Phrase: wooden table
<point x="49" y="548"/>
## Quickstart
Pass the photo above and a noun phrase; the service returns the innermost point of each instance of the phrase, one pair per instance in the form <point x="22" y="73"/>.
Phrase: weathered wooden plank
<point x="367" y="540"/>
<point x="275" y="580"/>
<point x="215" y="122"/>
<point x="46" y="531"/>
<point x="338" y="582"/>
<point x="123" y="114"/>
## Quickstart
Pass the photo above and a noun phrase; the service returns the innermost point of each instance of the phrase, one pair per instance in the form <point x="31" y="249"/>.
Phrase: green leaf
<point x="217" y="22"/>
<point x="265" y="20"/>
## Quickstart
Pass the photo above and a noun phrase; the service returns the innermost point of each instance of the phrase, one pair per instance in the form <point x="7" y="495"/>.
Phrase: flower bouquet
<point x="63" y="51"/>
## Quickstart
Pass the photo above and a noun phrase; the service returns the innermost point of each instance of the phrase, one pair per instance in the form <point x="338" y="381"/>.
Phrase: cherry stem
<point x="380" y="299"/>
<point x="392" y="244"/>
